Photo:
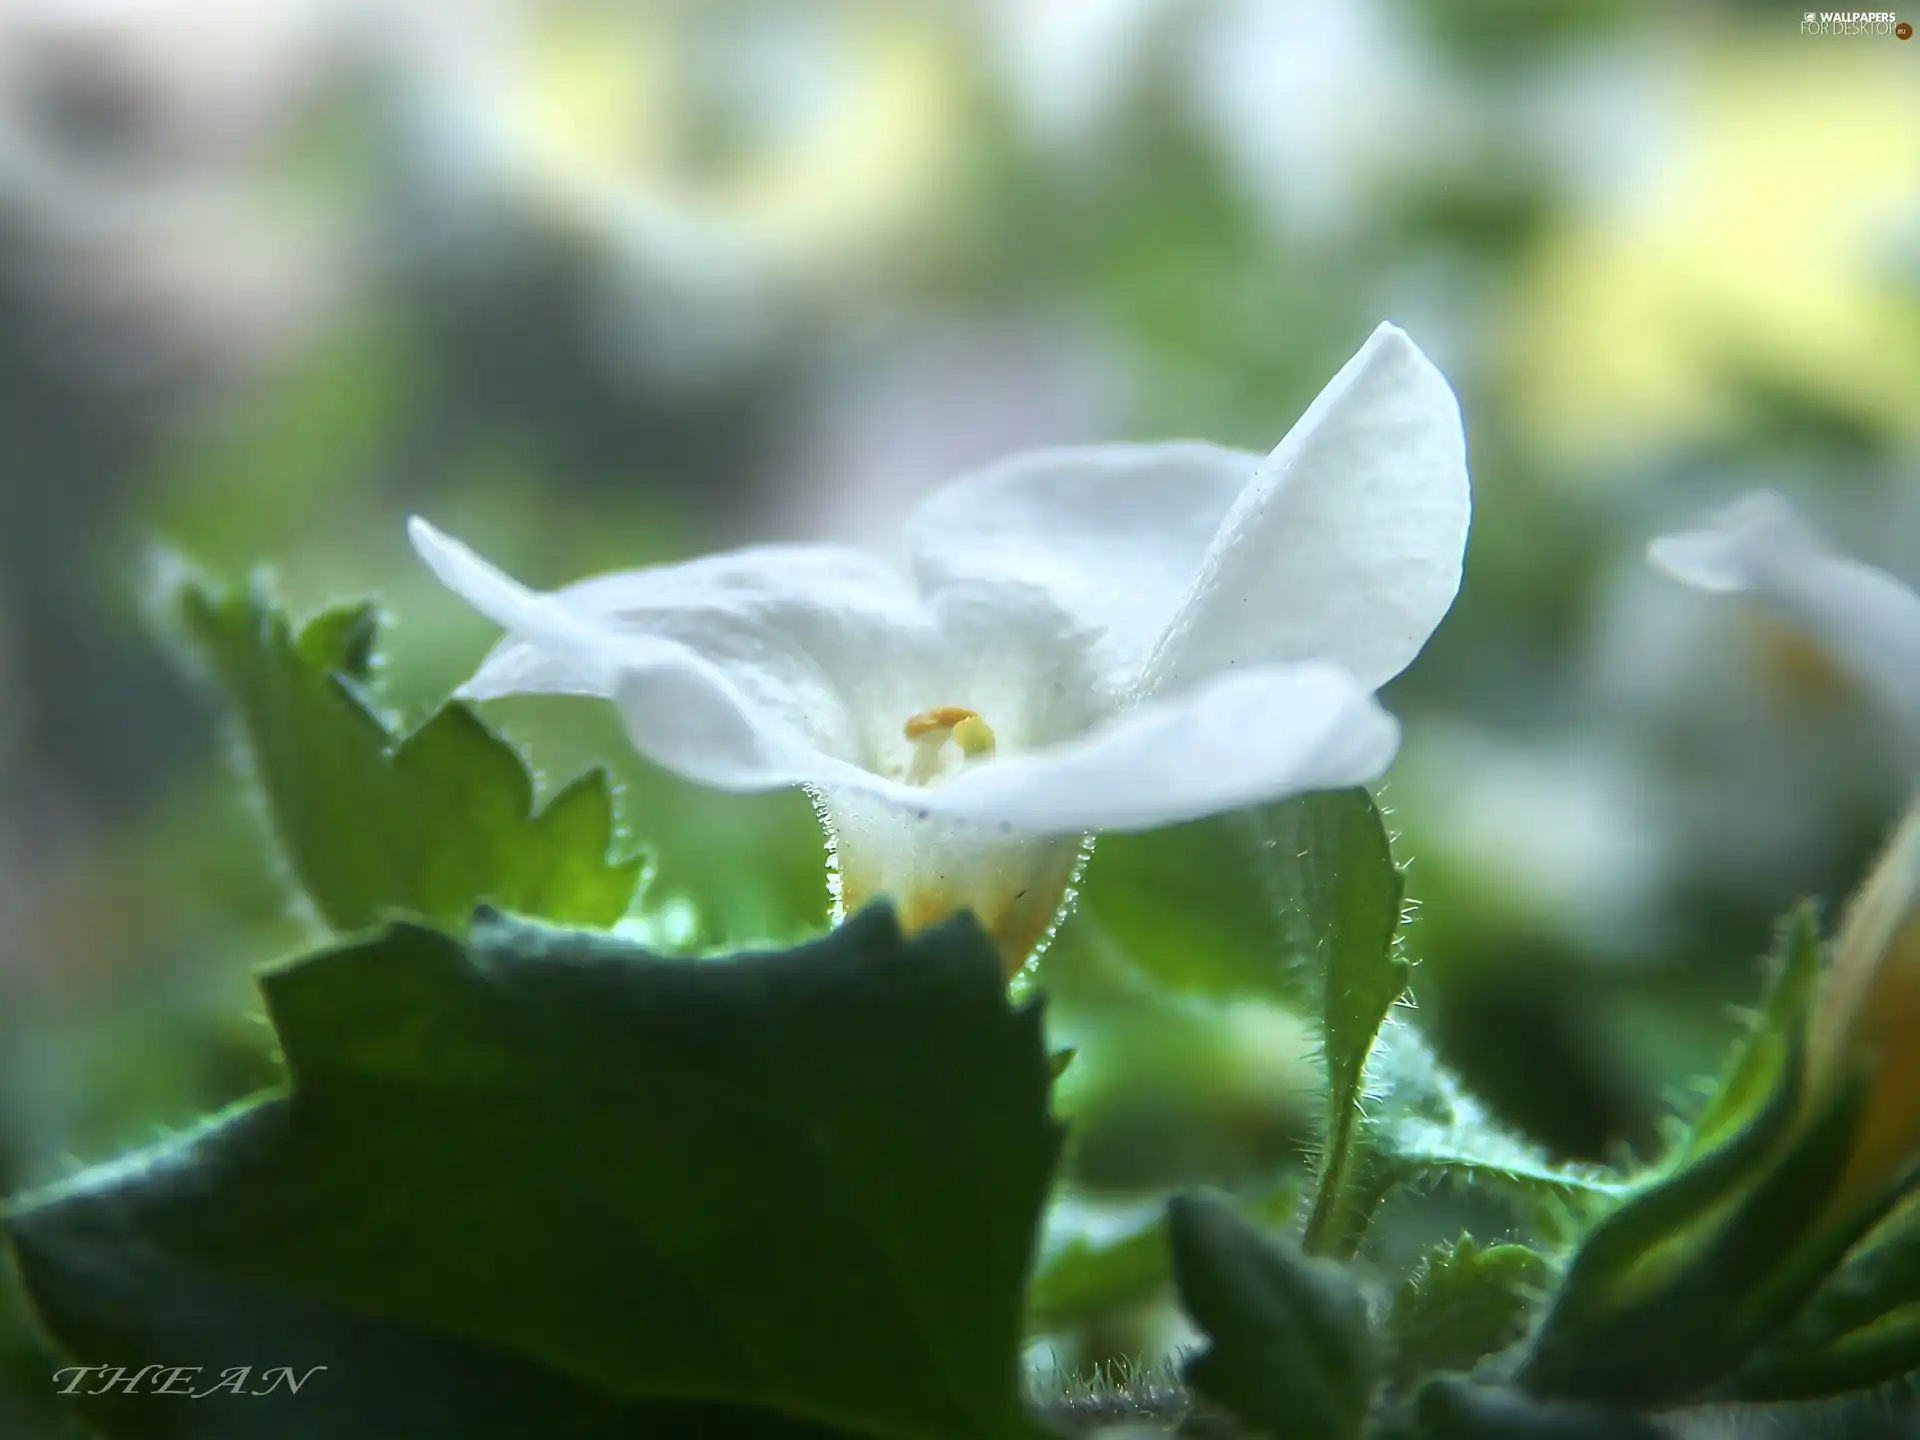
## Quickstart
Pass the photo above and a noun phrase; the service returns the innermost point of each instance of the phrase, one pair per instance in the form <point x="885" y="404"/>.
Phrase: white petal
<point x="1348" y="544"/>
<point x="1862" y="616"/>
<point x="577" y="654"/>
<point x="817" y="636"/>
<point x="1115" y="534"/>
<point x="1241" y="739"/>
<point x="1758" y="535"/>
<point x="680" y="710"/>
<point x="779" y="665"/>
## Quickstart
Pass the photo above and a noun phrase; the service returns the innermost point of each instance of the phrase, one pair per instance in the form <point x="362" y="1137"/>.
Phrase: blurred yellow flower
<point x="1765" y="241"/>
<point x="740" y="145"/>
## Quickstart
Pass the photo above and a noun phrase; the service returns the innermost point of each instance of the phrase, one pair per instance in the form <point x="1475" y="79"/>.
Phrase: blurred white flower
<point x="1316" y="108"/>
<point x="1066" y="63"/>
<point x="144" y="169"/>
<point x="1098" y="639"/>
<point x="1319" y="108"/>
<point x="718" y="166"/>
<point x="1757" y="757"/>
<point x="1865" y="618"/>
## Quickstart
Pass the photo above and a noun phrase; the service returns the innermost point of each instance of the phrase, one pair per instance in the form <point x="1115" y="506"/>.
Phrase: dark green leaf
<point x="373" y="824"/>
<point x="1290" y="1350"/>
<point x="803" y="1183"/>
<point x="1860" y="1329"/>
<point x="1459" y="1410"/>
<point x="28" y="1406"/>
<point x="1465" y="1303"/>
<point x="1672" y="1294"/>
<point x="1083" y="1278"/>
<point x="262" y="1363"/>
<point x="1860" y="1360"/>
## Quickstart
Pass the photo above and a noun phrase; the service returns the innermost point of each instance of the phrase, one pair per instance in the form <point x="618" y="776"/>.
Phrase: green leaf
<point x="1860" y="1329"/>
<point x="1296" y="903"/>
<point x="1290" y="1349"/>
<point x="1876" y="1354"/>
<point x="1237" y="906"/>
<point x="728" y="870"/>
<point x="1466" y="1302"/>
<point x="1452" y="1409"/>
<point x="28" y="1408"/>
<point x="1082" y="1278"/>
<point x="341" y="639"/>
<point x="801" y="1183"/>
<point x="1344" y="903"/>
<point x="1423" y="1125"/>
<point x="1674" y="1292"/>
<point x="1189" y="910"/>
<point x="261" y="1363"/>
<point x="1681" y="1291"/>
<point x="373" y="824"/>
<point x="1470" y="1149"/>
<point x="1753" y="1071"/>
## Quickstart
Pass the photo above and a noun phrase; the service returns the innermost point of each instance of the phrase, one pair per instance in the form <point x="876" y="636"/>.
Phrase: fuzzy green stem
<point x="1322" y="1236"/>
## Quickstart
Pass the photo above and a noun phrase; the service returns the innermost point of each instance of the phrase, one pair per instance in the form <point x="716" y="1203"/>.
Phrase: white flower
<point x="1864" y="618"/>
<point x="1116" y="638"/>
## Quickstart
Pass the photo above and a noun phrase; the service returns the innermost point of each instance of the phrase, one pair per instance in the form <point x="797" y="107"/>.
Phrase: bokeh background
<point x="599" y="282"/>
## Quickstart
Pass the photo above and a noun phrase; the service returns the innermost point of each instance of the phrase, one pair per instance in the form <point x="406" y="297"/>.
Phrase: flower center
<point x="931" y="730"/>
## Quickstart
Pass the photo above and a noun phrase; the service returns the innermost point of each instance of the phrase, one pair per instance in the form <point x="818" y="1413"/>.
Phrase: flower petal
<point x="766" y="604"/>
<point x="1864" y="617"/>
<point x="1241" y="739"/>
<point x="820" y="655"/>
<point x="819" y="636"/>
<point x="1348" y="544"/>
<point x="574" y="655"/>
<point x="1114" y="534"/>
<point x="680" y="710"/>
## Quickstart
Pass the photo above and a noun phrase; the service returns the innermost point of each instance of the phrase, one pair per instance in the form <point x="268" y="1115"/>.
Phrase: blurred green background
<point x="594" y="283"/>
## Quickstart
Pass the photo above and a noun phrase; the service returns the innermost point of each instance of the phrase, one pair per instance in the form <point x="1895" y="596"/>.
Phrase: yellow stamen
<point x="930" y="731"/>
<point x="974" y="737"/>
<point x="940" y="720"/>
